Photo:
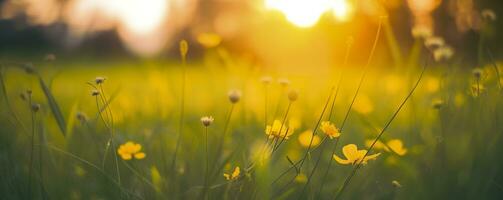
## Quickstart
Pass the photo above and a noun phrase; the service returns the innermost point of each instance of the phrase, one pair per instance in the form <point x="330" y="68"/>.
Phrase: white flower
<point x="207" y="120"/>
<point x="443" y="53"/>
<point x="434" y="42"/>
<point x="488" y="14"/>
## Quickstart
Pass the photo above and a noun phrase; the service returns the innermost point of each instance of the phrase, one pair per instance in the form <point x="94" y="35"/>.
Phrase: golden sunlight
<point x="306" y="13"/>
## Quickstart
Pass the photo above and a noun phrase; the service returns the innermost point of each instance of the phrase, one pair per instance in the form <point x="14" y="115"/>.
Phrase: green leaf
<point x="56" y="111"/>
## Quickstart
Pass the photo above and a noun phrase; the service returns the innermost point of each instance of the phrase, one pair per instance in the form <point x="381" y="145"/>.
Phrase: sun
<point x="306" y="13"/>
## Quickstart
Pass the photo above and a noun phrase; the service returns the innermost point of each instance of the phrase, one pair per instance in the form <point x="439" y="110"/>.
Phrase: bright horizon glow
<point x="306" y="13"/>
<point x="341" y="9"/>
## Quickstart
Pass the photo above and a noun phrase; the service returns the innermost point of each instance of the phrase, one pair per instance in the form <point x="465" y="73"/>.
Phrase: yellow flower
<point x="330" y="129"/>
<point x="394" y="145"/>
<point x="301" y="178"/>
<point x="477" y="89"/>
<point x="274" y="130"/>
<point x="363" y="104"/>
<point x="305" y="139"/>
<point x="354" y="156"/>
<point x="234" y="175"/>
<point x="432" y="84"/>
<point x="209" y="40"/>
<point x="129" y="150"/>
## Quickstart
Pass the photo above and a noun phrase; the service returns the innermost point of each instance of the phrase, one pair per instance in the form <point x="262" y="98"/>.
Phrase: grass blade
<point x="56" y="111"/>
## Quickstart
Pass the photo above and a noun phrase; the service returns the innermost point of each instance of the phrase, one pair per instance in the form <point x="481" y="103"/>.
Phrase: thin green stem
<point x="358" y="164"/>
<point x="182" y="114"/>
<point x="206" y="171"/>
<point x="275" y="147"/>
<point x="30" y="170"/>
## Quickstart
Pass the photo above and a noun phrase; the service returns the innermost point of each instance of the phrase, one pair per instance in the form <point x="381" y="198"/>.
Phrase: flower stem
<point x="358" y="164"/>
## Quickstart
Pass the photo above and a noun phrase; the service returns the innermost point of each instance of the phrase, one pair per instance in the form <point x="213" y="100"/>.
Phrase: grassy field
<point x="120" y="130"/>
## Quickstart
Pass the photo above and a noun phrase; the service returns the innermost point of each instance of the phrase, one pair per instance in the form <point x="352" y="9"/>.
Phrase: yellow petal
<point x="136" y="148"/>
<point x="397" y="147"/>
<point x="350" y="151"/>
<point x="341" y="161"/>
<point x="236" y="173"/>
<point x="126" y="156"/>
<point x="227" y="176"/>
<point x="371" y="157"/>
<point x="140" y="155"/>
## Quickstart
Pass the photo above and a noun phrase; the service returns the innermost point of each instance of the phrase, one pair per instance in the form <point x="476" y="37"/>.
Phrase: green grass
<point x="454" y="149"/>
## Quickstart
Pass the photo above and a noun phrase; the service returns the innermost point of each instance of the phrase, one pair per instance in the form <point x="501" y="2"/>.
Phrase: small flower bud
<point x="23" y="96"/>
<point x="82" y="117"/>
<point x="99" y="80"/>
<point x="28" y="68"/>
<point x="234" y="96"/>
<point x="477" y="73"/>
<point x="293" y="95"/>
<point x="488" y="15"/>
<point x="437" y="104"/>
<point x="396" y="184"/>
<point x="207" y="120"/>
<point x="35" y="107"/>
<point x="434" y="42"/>
<point x="266" y="80"/>
<point x="284" y="82"/>
<point x="95" y="92"/>
<point x="184" y="48"/>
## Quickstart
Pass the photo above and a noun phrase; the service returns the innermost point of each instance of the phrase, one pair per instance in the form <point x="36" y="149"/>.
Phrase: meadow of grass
<point x="136" y="130"/>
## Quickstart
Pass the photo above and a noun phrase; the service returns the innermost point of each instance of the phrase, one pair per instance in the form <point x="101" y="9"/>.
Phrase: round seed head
<point x="23" y="96"/>
<point x="488" y="15"/>
<point x="396" y="184"/>
<point x="293" y="95"/>
<point x="443" y="53"/>
<point x="28" y="68"/>
<point x="99" y="80"/>
<point x="82" y="117"/>
<point x="477" y="73"/>
<point x="284" y="82"/>
<point x="434" y="42"/>
<point x="207" y="120"/>
<point x="234" y="96"/>
<point x="266" y="80"/>
<point x="95" y="92"/>
<point x="35" y="107"/>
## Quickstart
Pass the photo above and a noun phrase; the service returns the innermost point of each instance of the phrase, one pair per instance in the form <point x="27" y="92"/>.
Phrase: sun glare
<point x="306" y="13"/>
<point x="341" y="9"/>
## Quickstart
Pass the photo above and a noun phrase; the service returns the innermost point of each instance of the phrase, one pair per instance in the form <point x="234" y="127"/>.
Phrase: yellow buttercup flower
<point x="363" y="104"/>
<point x="129" y="150"/>
<point x="330" y="129"/>
<point x="274" y="130"/>
<point x="354" y="156"/>
<point x="234" y="175"/>
<point x="305" y="139"/>
<point x="394" y="145"/>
